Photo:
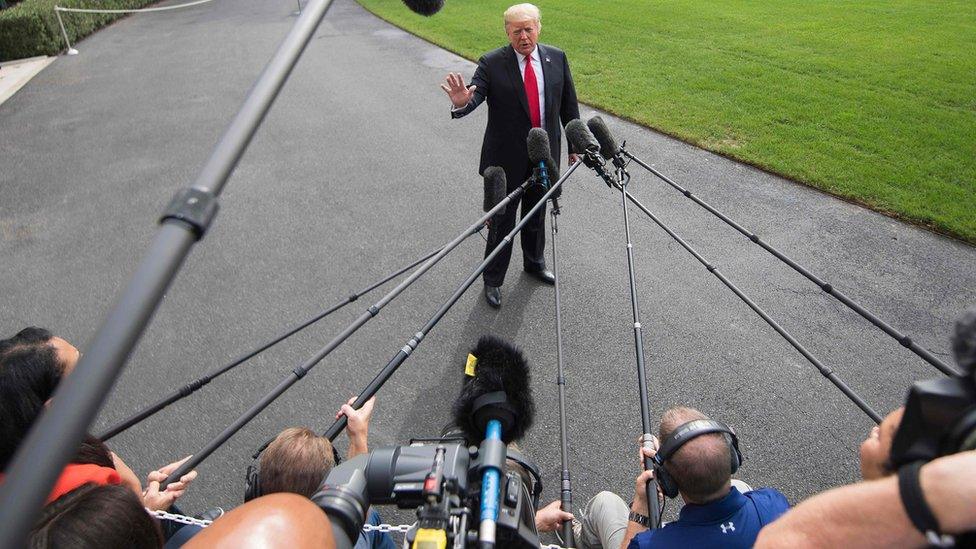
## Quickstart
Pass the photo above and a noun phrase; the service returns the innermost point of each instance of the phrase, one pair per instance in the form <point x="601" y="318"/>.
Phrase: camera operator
<point x="875" y="513"/>
<point x="871" y="513"/>
<point x="298" y="460"/>
<point x="718" y="511"/>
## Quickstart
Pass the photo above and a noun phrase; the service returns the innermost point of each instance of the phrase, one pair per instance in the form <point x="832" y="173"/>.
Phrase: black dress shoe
<point x="543" y="275"/>
<point x="493" y="295"/>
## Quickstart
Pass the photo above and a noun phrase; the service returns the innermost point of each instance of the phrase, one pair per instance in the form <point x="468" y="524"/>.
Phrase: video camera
<point x="442" y="481"/>
<point x="940" y="414"/>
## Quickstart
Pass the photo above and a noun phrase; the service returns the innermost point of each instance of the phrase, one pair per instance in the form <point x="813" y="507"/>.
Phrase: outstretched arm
<point x="871" y="514"/>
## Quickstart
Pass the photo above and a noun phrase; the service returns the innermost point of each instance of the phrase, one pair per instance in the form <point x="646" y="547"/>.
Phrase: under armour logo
<point x="726" y="528"/>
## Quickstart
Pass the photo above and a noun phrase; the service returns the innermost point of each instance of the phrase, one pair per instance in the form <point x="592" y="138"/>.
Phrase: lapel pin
<point x="547" y="60"/>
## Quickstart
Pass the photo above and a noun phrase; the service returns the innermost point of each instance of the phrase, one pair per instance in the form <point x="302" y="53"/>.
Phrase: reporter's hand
<point x="551" y="517"/>
<point x="573" y="158"/>
<point x="153" y="499"/>
<point x="639" y="504"/>
<point x="358" y="425"/>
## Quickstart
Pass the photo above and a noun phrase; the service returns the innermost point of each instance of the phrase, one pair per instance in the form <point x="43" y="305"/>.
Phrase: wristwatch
<point x="639" y="519"/>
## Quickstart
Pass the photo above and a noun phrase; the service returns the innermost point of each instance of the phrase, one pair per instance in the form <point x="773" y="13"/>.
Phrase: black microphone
<point x="608" y="145"/>
<point x="424" y="7"/>
<point x="495" y="407"/>
<point x="582" y="142"/>
<point x="495" y="188"/>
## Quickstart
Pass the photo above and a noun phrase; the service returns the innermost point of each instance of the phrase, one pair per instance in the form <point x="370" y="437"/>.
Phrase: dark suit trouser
<point x="532" y="236"/>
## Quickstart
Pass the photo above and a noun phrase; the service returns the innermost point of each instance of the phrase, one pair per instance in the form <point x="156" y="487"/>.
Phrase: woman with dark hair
<point x="104" y="516"/>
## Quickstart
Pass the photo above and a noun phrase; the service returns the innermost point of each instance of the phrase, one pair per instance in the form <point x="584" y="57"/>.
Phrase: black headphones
<point x="252" y="477"/>
<point x="681" y="435"/>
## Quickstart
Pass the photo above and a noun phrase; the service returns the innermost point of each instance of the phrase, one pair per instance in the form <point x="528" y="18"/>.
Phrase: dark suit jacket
<point x="499" y="81"/>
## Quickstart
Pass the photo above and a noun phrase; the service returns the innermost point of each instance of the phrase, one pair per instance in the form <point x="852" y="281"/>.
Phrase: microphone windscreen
<point x="608" y="145"/>
<point x="498" y="366"/>
<point x="538" y="145"/>
<point x="494" y="187"/>
<point x="424" y="7"/>
<point x="580" y="139"/>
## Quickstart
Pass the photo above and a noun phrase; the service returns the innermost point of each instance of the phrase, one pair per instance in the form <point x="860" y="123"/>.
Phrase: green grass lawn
<point x="874" y="100"/>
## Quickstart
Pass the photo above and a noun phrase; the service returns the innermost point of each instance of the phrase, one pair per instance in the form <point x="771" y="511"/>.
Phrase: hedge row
<point x="30" y="28"/>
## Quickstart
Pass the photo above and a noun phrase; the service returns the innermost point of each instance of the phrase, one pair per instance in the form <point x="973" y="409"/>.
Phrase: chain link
<point x="382" y="528"/>
<point x="182" y="519"/>
<point x="404" y="528"/>
<point x="387" y="528"/>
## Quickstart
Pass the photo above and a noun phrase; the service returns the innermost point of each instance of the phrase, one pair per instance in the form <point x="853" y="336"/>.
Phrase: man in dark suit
<point x="527" y="85"/>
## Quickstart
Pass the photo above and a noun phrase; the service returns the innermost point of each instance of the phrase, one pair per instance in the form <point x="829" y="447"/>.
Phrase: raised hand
<point x="455" y="89"/>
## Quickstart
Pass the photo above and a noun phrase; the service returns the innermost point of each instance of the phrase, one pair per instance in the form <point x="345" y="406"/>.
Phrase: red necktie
<point x="532" y="94"/>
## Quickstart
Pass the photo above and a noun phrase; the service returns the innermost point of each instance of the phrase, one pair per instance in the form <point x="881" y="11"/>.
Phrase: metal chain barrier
<point x="72" y="51"/>
<point x="388" y="528"/>
<point x="182" y="519"/>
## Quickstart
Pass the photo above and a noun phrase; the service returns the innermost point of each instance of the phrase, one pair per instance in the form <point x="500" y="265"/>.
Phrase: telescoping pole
<point x="56" y="434"/>
<point x="566" y="486"/>
<point x="301" y="371"/>
<point x="653" y="508"/>
<point x="827" y="288"/>
<point x="197" y="384"/>
<point x="824" y="370"/>
<point x="411" y="345"/>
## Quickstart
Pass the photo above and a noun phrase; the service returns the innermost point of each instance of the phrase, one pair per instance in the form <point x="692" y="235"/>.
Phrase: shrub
<point x="30" y="28"/>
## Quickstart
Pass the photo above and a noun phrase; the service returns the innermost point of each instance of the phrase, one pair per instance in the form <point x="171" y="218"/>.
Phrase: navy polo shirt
<point x="733" y="521"/>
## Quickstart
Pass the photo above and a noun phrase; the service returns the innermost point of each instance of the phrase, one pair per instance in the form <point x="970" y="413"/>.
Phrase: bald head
<point x="279" y="520"/>
<point x="701" y="467"/>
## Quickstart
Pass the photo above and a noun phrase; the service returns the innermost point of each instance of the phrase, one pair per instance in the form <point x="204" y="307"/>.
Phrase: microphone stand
<point x="825" y="371"/>
<point x="411" y="345"/>
<point x="55" y="436"/>
<point x="300" y="371"/>
<point x="829" y="289"/>
<point x="566" y="488"/>
<point x="196" y="385"/>
<point x="653" y="508"/>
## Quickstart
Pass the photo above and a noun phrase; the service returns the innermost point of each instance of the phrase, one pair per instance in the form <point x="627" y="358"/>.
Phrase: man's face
<point x="523" y="35"/>
<point x="876" y="449"/>
<point x="68" y="355"/>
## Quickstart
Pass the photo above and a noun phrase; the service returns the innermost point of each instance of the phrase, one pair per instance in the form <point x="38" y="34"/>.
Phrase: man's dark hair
<point x="29" y="372"/>
<point x="92" y="515"/>
<point x="701" y="467"/>
<point x="296" y="461"/>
